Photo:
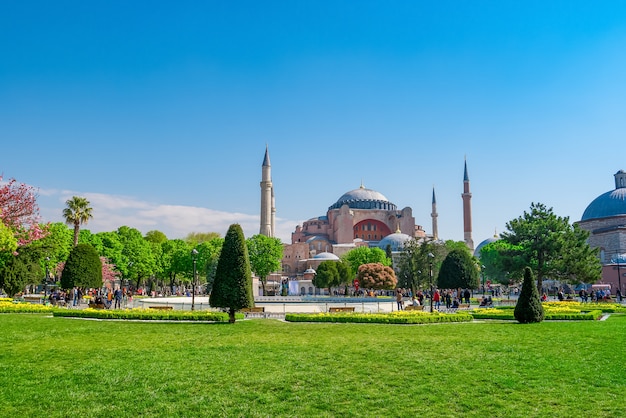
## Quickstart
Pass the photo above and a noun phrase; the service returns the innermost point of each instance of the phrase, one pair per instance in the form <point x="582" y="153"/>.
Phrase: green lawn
<point x="266" y="368"/>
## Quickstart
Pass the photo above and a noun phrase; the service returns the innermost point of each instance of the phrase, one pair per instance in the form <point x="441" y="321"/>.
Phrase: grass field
<point x="266" y="368"/>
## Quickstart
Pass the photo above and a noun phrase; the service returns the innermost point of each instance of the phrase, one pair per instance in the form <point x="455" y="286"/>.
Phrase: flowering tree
<point x="19" y="212"/>
<point x="377" y="276"/>
<point x="108" y="270"/>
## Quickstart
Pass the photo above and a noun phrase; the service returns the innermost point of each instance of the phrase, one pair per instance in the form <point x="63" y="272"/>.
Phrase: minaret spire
<point x="434" y="215"/>
<point x="467" y="210"/>
<point x="267" y="197"/>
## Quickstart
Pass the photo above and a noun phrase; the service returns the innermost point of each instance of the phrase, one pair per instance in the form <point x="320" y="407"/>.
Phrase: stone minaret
<point x="467" y="211"/>
<point x="434" y="216"/>
<point x="267" y="198"/>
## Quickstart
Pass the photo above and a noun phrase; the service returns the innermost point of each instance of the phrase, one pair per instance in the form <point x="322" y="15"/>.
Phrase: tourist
<point x="437" y="299"/>
<point x="399" y="298"/>
<point x="415" y="301"/>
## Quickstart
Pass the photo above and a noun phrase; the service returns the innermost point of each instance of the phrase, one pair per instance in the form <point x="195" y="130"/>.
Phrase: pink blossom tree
<point x="19" y="212"/>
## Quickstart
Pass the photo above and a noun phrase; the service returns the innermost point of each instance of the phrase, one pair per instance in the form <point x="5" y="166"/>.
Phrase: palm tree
<point x="77" y="212"/>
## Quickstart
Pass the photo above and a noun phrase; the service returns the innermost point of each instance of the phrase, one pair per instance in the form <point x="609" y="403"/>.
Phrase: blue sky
<point x="159" y="112"/>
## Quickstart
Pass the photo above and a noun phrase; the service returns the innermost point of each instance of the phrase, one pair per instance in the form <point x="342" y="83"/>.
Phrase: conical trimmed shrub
<point x="232" y="288"/>
<point x="528" y="308"/>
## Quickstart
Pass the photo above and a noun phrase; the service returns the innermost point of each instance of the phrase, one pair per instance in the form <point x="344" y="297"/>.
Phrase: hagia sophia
<point x="365" y="217"/>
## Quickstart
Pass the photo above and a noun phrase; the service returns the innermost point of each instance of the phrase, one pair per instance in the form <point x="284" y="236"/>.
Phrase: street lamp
<point x="482" y="270"/>
<point x="45" y="281"/>
<point x="194" y="254"/>
<point x="430" y="275"/>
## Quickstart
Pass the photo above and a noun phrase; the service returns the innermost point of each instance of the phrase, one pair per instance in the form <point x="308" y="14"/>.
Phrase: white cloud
<point x="176" y="221"/>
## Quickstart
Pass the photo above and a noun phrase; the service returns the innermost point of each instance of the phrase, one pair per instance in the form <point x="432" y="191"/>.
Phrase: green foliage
<point x="8" y="242"/>
<point x="491" y="256"/>
<point x="458" y="270"/>
<point x="18" y="271"/>
<point x="550" y="246"/>
<point x="82" y="269"/>
<point x="364" y="255"/>
<point x="265" y="255"/>
<point x="138" y="251"/>
<point x="377" y="276"/>
<point x="528" y="308"/>
<point x="327" y="275"/>
<point x="208" y="256"/>
<point x="415" y="263"/>
<point x="155" y="237"/>
<point x="232" y="288"/>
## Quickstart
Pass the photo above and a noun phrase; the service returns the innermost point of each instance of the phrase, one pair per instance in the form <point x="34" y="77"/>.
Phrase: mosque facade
<point x="359" y="217"/>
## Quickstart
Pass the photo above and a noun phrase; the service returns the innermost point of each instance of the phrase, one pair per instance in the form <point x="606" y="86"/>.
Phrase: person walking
<point x="399" y="298"/>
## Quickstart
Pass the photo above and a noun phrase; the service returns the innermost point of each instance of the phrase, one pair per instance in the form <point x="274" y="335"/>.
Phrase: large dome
<point x="611" y="203"/>
<point x="363" y="198"/>
<point x="483" y="243"/>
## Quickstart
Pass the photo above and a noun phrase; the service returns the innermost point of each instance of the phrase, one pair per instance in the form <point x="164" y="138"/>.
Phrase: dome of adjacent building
<point x="363" y="198"/>
<point x="396" y="241"/>
<point x="609" y="204"/>
<point x="326" y="256"/>
<point x="482" y="244"/>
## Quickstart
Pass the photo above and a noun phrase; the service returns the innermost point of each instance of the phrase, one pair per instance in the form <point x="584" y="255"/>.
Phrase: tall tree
<point x="551" y="247"/>
<point x="195" y="238"/>
<point x="156" y="237"/>
<point x="83" y="268"/>
<point x="415" y="263"/>
<point x="376" y="276"/>
<point x="208" y="256"/>
<point x="265" y="256"/>
<point x="232" y="288"/>
<point x="22" y="269"/>
<point x="459" y="269"/>
<point x="76" y="213"/>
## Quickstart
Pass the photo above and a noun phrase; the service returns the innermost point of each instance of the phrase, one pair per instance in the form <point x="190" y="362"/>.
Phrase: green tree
<point x="326" y="275"/>
<point x="76" y="213"/>
<point x="232" y="288"/>
<point x="491" y="257"/>
<point x="82" y="269"/>
<point x="376" y="276"/>
<point x="137" y="255"/>
<point x="195" y="238"/>
<point x="22" y="269"/>
<point x="156" y="237"/>
<point x="8" y="242"/>
<point x="175" y="260"/>
<point x="365" y="255"/>
<point x="265" y="256"/>
<point x="415" y="262"/>
<point x="551" y="247"/>
<point x="528" y="308"/>
<point x="458" y="269"/>
<point x="208" y="256"/>
<point x="345" y="274"/>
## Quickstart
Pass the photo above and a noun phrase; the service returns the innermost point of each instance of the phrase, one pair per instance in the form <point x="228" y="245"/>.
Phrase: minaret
<point x="467" y="211"/>
<point x="267" y="197"/>
<point x="434" y="216"/>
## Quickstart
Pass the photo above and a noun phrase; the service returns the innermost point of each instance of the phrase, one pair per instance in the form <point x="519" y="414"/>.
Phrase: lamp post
<point x="45" y="281"/>
<point x="482" y="271"/>
<point x="194" y="254"/>
<point x="430" y="275"/>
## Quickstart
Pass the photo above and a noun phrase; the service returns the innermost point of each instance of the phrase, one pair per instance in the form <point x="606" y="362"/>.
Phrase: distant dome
<point x="482" y="244"/>
<point x="396" y="241"/>
<point x="326" y="256"/>
<point x="310" y="271"/>
<point x="363" y="198"/>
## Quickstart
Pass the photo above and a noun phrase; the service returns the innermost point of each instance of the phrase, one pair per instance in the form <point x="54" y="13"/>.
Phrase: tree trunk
<point x="231" y="315"/>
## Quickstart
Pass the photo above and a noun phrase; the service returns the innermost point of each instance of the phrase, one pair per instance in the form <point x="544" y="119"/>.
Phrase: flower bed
<point x="23" y="307"/>
<point x="550" y="312"/>
<point x="398" y="317"/>
<point x="147" y="314"/>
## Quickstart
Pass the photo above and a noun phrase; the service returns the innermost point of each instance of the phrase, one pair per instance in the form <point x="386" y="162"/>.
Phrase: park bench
<point x="32" y="299"/>
<point x="96" y="305"/>
<point x="414" y="308"/>
<point x="256" y="309"/>
<point x="508" y="301"/>
<point x="162" y="308"/>
<point x="464" y="306"/>
<point x="335" y="309"/>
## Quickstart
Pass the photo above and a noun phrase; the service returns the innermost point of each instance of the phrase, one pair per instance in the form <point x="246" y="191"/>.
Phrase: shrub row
<point x="146" y="314"/>
<point x="557" y="314"/>
<point x="375" y="318"/>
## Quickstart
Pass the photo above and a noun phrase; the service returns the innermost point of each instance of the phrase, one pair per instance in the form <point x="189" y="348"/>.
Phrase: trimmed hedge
<point x="557" y="314"/>
<point x="146" y="314"/>
<point x="375" y="318"/>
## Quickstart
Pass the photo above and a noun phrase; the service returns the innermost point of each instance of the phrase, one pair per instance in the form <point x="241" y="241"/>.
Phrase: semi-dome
<point x="363" y="198"/>
<point x="396" y="241"/>
<point x="612" y="203"/>
<point x="326" y="256"/>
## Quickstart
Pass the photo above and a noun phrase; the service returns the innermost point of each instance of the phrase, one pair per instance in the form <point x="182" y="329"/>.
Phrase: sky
<point x="159" y="112"/>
